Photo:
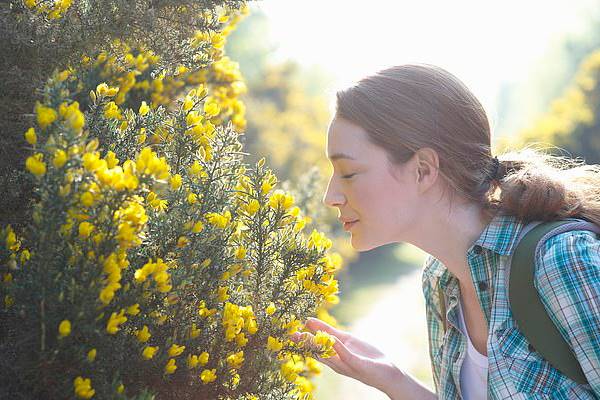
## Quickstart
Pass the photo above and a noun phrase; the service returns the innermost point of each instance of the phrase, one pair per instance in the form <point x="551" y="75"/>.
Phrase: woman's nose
<point x="332" y="197"/>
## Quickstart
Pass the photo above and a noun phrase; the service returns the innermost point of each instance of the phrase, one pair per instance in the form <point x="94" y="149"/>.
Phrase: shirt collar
<point x="501" y="234"/>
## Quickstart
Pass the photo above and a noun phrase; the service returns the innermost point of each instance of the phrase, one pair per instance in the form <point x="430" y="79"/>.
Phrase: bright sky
<point x="483" y="42"/>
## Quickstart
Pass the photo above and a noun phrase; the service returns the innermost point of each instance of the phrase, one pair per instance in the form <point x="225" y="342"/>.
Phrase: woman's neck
<point x="447" y="236"/>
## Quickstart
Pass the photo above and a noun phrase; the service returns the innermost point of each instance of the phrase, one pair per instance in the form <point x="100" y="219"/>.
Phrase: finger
<point x="335" y="364"/>
<point x="305" y="339"/>
<point x="300" y="336"/>
<point x="345" y="354"/>
<point x="316" y="324"/>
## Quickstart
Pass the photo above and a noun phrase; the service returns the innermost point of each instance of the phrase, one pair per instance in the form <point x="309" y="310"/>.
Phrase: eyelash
<point x="348" y="176"/>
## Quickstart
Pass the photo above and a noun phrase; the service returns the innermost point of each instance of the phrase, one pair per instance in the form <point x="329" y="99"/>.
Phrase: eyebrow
<point x="338" y="156"/>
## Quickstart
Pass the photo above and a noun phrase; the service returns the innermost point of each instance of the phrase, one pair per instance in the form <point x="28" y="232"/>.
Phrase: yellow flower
<point x="30" y="136"/>
<point x="149" y="163"/>
<point x="252" y="207"/>
<point x="175" y="181"/>
<point x="92" y="161"/>
<point x="182" y="242"/>
<point x="203" y="358"/>
<point x="192" y="198"/>
<point x="208" y="375"/>
<point x="222" y="293"/>
<point x="175" y="350"/>
<point x="274" y="344"/>
<point x="85" y="229"/>
<point x="265" y="187"/>
<point x="144" y="109"/>
<point x="121" y="388"/>
<point x="45" y="115"/>
<point x="219" y="220"/>
<point x="217" y="40"/>
<point x="325" y="341"/>
<point x="290" y="370"/>
<point x="281" y="199"/>
<point x="107" y="293"/>
<point x="195" y="169"/>
<point x="63" y="75"/>
<point x="211" y="108"/>
<point x="112" y="326"/>
<point x="170" y="367"/>
<point x="270" y="309"/>
<point x="35" y="165"/>
<point x="197" y="227"/>
<point x="73" y="117"/>
<point x="240" y="253"/>
<point x="194" y="331"/>
<point x="142" y="136"/>
<point x="303" y="384"/>
<point x="292" y="326"/>
<point x="318" y="240"/>
<point x="149" y="352"/>
<point x="241" y="339"/>
<point x="193" y="118"/>
<point x="64" y="328"/>
<point x="87" y="199"/>
<point x="104" y="90"/>
<point x="134" y="309"/>
<point x="111" y="159"/>
<point x="312" y="365"/>
<point x="83" y="388"/>
<point x="91" y="355"/>
<point x="192" y="361"/>
<point x="142" y="335"/>
<point x="60" y="158"/>
<point x="111" y="110"/>
<point x="188" y="103"/>
<point x="235" y="360"/>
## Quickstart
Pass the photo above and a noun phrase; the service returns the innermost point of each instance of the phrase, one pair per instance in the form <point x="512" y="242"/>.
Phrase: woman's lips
<point x="349" y="225"/>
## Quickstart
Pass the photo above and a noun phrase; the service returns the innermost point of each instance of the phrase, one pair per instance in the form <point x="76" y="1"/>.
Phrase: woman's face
<point x="381" y="197"/>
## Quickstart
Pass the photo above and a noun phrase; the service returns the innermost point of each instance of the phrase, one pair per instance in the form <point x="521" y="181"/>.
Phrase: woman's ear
<point x="427" y="165"/>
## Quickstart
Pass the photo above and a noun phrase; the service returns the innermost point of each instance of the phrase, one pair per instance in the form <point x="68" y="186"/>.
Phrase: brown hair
<point x="411" y="106"/>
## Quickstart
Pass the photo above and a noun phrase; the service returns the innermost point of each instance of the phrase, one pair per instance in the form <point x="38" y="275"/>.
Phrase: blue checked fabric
<point x="567" y="277"/>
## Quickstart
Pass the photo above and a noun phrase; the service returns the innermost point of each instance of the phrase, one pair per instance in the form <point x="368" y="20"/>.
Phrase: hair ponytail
<point x="534" y="185"/>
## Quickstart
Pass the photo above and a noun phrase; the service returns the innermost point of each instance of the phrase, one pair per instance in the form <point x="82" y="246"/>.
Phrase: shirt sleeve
<point x="567" y="278"/>
<point x="435" y="328"/>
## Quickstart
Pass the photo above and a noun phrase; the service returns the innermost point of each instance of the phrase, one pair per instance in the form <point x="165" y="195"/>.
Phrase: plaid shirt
<point x="567" y="277"/>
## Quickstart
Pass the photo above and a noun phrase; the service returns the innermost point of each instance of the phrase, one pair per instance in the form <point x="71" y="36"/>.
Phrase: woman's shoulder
<point x="568" y="262"/>
<point x="432" y="272"/>
<point x="573" y="246"/>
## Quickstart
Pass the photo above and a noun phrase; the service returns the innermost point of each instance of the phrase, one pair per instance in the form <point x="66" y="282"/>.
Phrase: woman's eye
<point x="348" y="176"/>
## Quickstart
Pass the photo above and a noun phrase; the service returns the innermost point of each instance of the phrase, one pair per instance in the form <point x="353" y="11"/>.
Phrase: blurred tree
<point x="571" y="122"/>
<point x="521" y="101"/>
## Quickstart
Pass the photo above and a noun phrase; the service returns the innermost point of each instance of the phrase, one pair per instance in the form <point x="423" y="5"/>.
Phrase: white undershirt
<point x="473" y="373"/>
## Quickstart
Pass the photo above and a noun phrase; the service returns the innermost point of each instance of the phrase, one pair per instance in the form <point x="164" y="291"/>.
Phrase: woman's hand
<point x="355" y="358"/>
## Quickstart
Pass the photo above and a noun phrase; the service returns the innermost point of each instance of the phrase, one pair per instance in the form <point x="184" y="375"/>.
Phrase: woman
<point x="410" y="147"/>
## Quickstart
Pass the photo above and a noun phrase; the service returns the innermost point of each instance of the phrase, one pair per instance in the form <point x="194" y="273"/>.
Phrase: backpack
<point x="527" y="308"/>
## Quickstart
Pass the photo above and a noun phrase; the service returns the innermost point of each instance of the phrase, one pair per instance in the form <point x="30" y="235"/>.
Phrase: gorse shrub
<point x="156" y="263"/>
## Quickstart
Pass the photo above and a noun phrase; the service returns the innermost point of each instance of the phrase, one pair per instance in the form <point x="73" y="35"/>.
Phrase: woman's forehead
<point x="345" y="140"/>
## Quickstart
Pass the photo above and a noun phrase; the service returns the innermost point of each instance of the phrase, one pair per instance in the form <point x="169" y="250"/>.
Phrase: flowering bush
<point x="157" y="263"/>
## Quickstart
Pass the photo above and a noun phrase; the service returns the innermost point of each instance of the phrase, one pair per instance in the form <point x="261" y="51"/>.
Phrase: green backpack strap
<point x="528" y="310"/>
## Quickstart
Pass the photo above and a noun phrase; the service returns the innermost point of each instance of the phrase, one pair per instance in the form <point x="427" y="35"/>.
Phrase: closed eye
<point x="348" y="176"/>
